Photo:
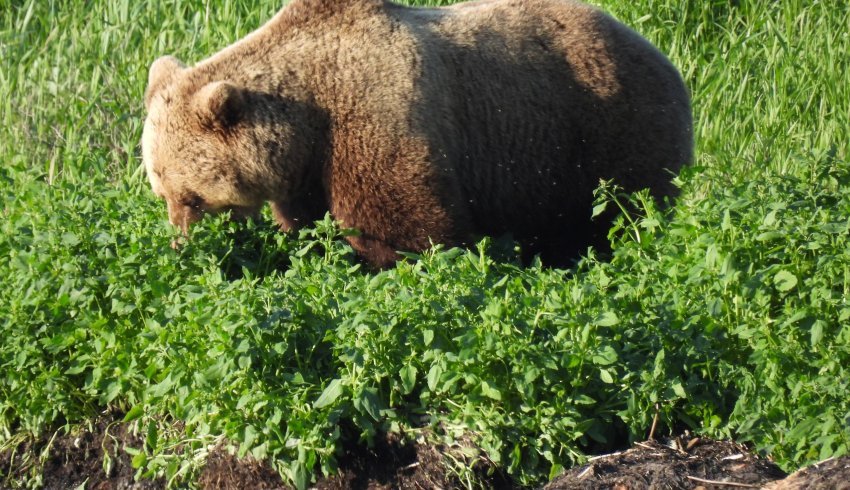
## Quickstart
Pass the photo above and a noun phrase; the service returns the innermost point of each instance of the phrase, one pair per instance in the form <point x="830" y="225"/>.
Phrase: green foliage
<point x="729" y="313"/>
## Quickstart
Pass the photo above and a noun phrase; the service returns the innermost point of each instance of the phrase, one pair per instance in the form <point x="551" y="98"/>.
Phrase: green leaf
<point x="248" y="438"/>
<point x="599" y="209"/>
<point x="769" y="236"/>
<point x="134" y="413"/>
<point x="370" y="401"/>
<point x="428" y="336"/>
<point x="555" y="471"/>
<point x="490" y="391"/>
<point x="107" y="463"/>
<point x="152" y="436"/>
<point x="113" y="389"/>
<point x="69" y="239"/>
<point x="784" y="280"/>
<point x="605" y="356"/>
<point x="330" y="394"/>
<point x="817" y="332"/>
<point x="679" y="390"/>
<point x="160" y="389"/>
<point x="139" y="460"/>
<point x="659" y="364"/>
<point x="606" y="319"/>
<point x="583" y="400"/>
<point x="770" y="218"/>
<point x="650" y="223"/>
<point x="408" y="378"/>
<point x="726" y="222"/>
<point x="434" y="375"/>
<point x="76" y="368"/>
<point x="299" y="475"/>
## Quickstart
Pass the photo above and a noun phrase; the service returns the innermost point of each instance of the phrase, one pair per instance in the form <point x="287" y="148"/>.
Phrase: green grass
<point x="731" y="313"/>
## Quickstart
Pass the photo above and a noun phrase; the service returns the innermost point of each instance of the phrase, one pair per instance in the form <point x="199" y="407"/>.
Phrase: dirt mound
<point x="833" y="474"/>
<point x="389" y="464"/>
<point x="63" y="461"/>
<point x="226" y="472"/>
<point x="678" y="463"/>
<point x="92" y="456"/>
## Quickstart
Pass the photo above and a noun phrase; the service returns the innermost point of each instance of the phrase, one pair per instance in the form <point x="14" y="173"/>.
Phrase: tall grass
<point x="729" y="313"/>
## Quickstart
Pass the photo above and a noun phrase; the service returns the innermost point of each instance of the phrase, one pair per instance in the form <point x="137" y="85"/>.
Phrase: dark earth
<point x="67" y="461"/>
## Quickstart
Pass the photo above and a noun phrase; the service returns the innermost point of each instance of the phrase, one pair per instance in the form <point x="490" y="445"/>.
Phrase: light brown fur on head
<point x="421" y="125"/>
<point x="214" y="146"/>
<point x="188" y="159"/>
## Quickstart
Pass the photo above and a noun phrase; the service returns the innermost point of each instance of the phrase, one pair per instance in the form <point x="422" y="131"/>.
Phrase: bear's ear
<point x="220" y="104"/>
<point x="161" y="73"/>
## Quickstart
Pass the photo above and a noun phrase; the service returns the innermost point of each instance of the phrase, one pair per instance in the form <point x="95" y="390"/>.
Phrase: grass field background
<point x="730" y="313"/>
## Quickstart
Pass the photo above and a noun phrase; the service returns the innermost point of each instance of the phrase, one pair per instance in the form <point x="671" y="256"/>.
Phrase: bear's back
<point x="540" y="99"/>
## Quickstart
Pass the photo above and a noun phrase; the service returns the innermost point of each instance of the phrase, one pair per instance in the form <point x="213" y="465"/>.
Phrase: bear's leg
<point x="564" y="249"/>
<point x="377" y="253"/>
<point x="292" y="216"/>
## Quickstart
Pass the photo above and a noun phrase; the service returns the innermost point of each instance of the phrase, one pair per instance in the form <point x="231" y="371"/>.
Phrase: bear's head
<point x="204" y="146"/>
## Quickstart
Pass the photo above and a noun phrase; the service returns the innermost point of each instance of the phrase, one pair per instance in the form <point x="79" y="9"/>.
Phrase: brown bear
<point x="420" y="125"/>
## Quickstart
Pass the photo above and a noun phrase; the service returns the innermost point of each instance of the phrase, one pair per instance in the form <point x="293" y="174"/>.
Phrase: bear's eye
<point x="193" y="201"/>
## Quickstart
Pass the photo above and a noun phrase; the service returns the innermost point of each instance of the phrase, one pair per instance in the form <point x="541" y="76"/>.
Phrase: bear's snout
<point x="183" y="216"/>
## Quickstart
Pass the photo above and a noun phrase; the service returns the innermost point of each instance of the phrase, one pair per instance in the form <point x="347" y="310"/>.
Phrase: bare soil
<point x="66" y="461"/>
<point x="833" y="474"/>
<point x="680" y="463"/>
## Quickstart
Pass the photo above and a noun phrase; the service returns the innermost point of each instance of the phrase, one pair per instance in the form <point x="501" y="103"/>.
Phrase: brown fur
<point x="420" y="125"/>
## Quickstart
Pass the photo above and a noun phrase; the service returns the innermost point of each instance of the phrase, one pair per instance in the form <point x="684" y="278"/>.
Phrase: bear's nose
<point x="183" y="216"/>
<point x="177" y="216"/>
